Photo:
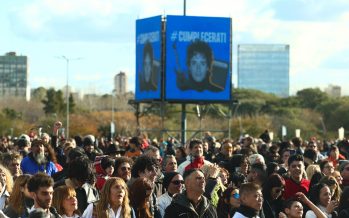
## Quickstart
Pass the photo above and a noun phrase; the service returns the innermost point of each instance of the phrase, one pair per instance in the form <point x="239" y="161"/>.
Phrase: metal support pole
<point x="184" y="124"/>
<point x="184" y="7"/>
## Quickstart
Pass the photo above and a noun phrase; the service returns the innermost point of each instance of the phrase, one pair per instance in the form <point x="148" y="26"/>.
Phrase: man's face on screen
<point x="198" y="67"/>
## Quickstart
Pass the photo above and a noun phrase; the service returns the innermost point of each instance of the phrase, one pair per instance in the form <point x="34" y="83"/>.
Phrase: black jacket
<point x="181" y="207"/>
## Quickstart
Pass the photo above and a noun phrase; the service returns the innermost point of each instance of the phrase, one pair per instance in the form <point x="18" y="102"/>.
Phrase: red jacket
<point x="291" y="188"/>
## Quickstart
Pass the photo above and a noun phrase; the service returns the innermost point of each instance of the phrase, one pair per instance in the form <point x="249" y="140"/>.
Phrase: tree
<point x="311" y="98"/>
<point x="54" y="102"/>
<point x="39" y="93"/>
<point x="71" y="104"/>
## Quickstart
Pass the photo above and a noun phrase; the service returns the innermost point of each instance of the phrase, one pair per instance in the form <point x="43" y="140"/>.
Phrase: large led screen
<point x="198" y="58"/>
<point x="148" y="59"/>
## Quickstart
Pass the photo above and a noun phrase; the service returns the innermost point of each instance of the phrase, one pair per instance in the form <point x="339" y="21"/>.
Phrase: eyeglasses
<point x="235" y="196"/>
<point x="178" y="182"/>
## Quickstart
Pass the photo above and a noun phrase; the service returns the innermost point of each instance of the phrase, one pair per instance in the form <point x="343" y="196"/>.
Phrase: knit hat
<point x="167" y="179"/>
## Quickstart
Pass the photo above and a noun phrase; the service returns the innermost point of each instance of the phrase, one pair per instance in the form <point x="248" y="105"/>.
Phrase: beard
<point x="40" y="158"/>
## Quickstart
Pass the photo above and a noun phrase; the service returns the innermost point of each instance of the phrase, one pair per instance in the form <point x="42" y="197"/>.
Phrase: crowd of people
<point x="49" y="176"/>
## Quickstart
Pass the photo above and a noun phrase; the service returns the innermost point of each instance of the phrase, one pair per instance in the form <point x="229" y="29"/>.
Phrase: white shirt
<point x="74" y="216"/>
<point x="89" y="212"/>
<point x="239" y="215"/>
<point x="163" y="202"/>
<point x="311" y="214"/>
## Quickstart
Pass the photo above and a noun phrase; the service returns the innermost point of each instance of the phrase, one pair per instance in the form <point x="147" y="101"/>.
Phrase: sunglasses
<point x="178" y="182"/>
<point x="235" y="195"/>
<point x="126" y="168"/>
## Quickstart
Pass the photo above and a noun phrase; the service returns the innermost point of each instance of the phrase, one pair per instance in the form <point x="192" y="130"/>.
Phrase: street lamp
<point x="67" y="88"/>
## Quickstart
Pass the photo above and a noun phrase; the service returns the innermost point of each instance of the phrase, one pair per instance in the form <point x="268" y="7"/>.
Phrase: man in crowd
<point x="251" y="201"/>
<point x="36" y="161"/>
<point x="40" y="187"/>
<point x="191" y="203"/>
<point x="257" y="174"/>
<point x="226" y="152"/>
<point x="326" y="167"/>
<point x="195" y="159"/>
<point x="344" y="170"/>
<point x="173" y="182"/>
<point x="123" y="168"/>
<point x="296" y="182"/>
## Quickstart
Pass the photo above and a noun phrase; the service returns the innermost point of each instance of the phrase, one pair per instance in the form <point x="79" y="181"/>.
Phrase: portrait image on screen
<point x="199" y="62"/>
<point x="198" y="59"/>
<point x="149" y="74"/>
<point x="148" y="57"/>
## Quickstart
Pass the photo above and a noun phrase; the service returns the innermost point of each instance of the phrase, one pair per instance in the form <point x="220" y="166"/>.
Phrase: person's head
<point x="223" y="175"/>
<point x="145" y="167"/>
<point x="258" y="173"/>
<point x="320" y="194"/>
<point x="40" y="187"/>
<point x="80" y="169"/>
<point x="135" y="142"/>
<point x="311" y="170"/>
<point x="293" y="209"/>
<point x="231" y="196"/>
<point x="148" y="57"/>
<point x="326" y="167"/>
<point x="19" y="193"/>
<point x="334" y="152"/>
<point x="107" y="165"/>
<point x="274" y="188"/>
<point x="227" y="148"/>
<point x="88" y="143"/>
<point x="38" y="151"/>
<point x="13" y="162"/>
<point x="153" y="152"/>
<point x="6" y="179"/>
<point x="45" y="138"/>
<point x="285" y="154"/>
<point x="199" y="60"/>
<point x="180" y="153"/>
<point x="140" y="192"/>
<point x="310" y="156"/>
<point x="312" y="145"/>
<point x="337" y="175"/>
<point x="239" y="163"/>
<point x="39" y="213"/>
<point x="251" y="195"/>
<point x="195" y="148"/>
<point x="194" y="181"/>
<point x="123" y="168"/>
<point x="173" y="182"/>
<point x="65" y="201"/>
<point x="344" y="199"/>
<point x="296" y="167"/>
<point x="115" y="194"/>
<point x="256" y="158"/>
<point x="344" y="170"/>
<point x="333" y="185"/>
<point x="170" y="164"/>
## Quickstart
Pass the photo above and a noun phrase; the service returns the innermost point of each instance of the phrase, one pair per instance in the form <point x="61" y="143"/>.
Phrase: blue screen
<point x="148" y="59"/>
<point x="198" y="58"/>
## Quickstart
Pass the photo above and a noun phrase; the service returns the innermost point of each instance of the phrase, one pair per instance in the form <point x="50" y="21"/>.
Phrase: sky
<point x="99" y="37"/>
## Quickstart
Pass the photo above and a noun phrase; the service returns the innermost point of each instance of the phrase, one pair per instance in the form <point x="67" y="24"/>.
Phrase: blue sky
<point x="102" y="34"/>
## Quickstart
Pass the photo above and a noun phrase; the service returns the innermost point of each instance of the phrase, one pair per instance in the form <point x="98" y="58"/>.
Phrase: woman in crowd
<point x="311" y="170"/>
<point x="140" y="194"/>
<point x="272" y="192"/>
<point x="228" y="203"/>
<point x="6" y="185"/>
<point x="20" y="200"/>
<point x="343" y="208"/>
<point x="294" y="208"/>
<point x="333" y="185"/>
<point x="64" y="200"/>
<point x="320" y="195"/>
<point x="114" y="201"/>
<point x="180" y="155"/>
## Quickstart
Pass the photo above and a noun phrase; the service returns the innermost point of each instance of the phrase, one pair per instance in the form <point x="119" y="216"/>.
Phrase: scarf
<point x="196" y="163"/>
<point x="247" y="211"/>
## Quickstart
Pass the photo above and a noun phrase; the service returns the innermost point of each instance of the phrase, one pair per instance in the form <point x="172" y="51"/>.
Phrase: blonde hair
<point x="102" y="205"/>
<point x="16" y="200"/>
<point x="311" y="170"/>
<point x="333" y="185"/>
<point x="9" y="178"/>
<point x="60" y="194"/>
<point x="210" y="171"/>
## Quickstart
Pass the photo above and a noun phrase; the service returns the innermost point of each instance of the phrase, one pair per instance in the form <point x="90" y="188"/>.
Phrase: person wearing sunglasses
<point x="272" y="193"/>
<point x="228" y="202"/>
<point x="173" y="182"/>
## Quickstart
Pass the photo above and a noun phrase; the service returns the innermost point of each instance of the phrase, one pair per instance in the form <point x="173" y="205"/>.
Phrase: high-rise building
<point x="120" y="83"/>
<point x="333" y="91"/>
<point x="14" y="76"/>
<point x="264" y="67"/>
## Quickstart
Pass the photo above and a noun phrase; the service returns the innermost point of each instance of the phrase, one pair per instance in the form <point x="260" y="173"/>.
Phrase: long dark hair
<point x="314" y="193"/>
<point x="274" y="180"/>
<point x="344" y="200"/>
<point x="139" y="197"/>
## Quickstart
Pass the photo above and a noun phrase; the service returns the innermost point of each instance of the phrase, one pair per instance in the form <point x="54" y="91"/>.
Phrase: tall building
<point x="264" y="67"/>
<point x="14" y="76"/>
<point x="333" y="91"/>
<point x="120" y="83"/>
